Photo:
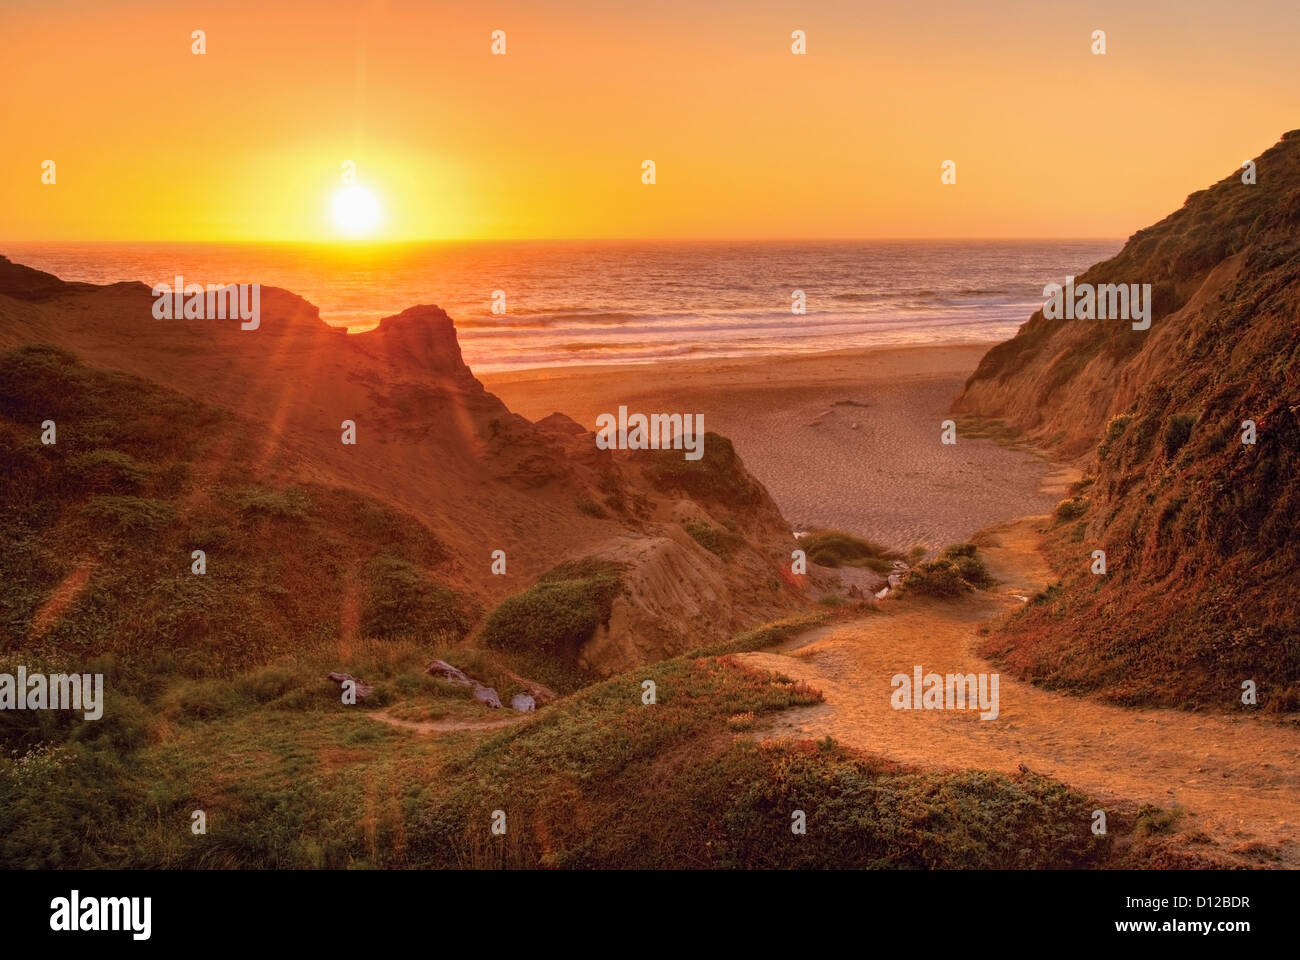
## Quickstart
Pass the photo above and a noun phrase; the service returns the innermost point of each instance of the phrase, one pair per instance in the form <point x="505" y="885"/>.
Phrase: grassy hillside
<point x="600" y="779"/>
<point x="678" y="784"/>
<point x="1200" y="530"/>
<point x="98" y="532"/>
<point x="110" y="515"/>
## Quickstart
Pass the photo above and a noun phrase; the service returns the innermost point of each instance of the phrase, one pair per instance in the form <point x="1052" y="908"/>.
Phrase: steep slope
<point x="431" y="443"/>
<point x="1200" y="530"/>
<point x="144" y="535"/>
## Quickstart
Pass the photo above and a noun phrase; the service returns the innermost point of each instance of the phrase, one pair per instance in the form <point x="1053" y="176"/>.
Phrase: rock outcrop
<point x="432" y="442"/>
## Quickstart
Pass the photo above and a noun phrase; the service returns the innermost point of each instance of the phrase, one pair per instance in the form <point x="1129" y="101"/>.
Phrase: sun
<point x="355" y="211"/>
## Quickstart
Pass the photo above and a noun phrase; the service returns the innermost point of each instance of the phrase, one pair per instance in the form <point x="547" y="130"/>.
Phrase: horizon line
<point x="361" y="244"/>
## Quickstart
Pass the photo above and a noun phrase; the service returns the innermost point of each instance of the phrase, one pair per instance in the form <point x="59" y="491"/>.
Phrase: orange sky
<point x="154" y="143"/>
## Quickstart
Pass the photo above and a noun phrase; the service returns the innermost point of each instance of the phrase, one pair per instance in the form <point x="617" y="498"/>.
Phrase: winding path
<point x="1236" y="777"/>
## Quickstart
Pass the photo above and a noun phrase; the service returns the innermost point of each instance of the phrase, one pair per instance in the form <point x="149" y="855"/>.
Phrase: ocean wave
<point x="636" y="302"/>
<point x="926" y="294"/>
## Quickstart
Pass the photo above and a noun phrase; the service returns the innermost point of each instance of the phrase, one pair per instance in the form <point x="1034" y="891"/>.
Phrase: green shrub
<point x="128" y="514"/>
<point x="1114" y="430"/>
<point x="1153" y="820"/>
<point x="267" y="502"/>
<point x="267" y="683"/>
<point x="717" y="476"/>
<point x="558" y="614"/>
<point x="1071" y="508"/>
<point x="716" y="541"/>
<point x="835" y="548"/>
<point x="39" y="381"/>
<point x="201" y="699"/>
<point x="1177" y="432"/>
<point x="127" y="724"/>
<point x="936" y="579"/>
<point x="971" y="570"/>
<point x="401" y="600"/>
<point x="106" y="471"/>
<point x="955" y="571"/>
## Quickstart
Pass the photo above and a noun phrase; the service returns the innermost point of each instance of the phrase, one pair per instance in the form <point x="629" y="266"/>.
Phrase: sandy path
<point x="1238" y="778"/>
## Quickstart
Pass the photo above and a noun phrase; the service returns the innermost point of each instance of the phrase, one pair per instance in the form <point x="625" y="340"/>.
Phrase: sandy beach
<point x="847" y="439"/>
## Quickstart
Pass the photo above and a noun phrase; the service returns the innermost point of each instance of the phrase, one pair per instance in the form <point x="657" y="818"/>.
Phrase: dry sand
<point x="847" y="439"/>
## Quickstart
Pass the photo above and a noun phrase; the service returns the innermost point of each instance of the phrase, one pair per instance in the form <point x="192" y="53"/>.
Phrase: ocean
<point x="606" y="302"/>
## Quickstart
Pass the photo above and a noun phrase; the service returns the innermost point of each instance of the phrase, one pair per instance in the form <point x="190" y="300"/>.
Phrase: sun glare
<point x="355" y="211"/>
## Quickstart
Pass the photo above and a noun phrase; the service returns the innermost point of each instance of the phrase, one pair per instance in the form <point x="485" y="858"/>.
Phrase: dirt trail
<point x="62" y="597"/>
<point x="450" y="725"/>
<point x="1238" y="778"/>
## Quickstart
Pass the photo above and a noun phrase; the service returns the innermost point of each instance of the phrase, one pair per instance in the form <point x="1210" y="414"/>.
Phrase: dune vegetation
<point x="835" y="548"/>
